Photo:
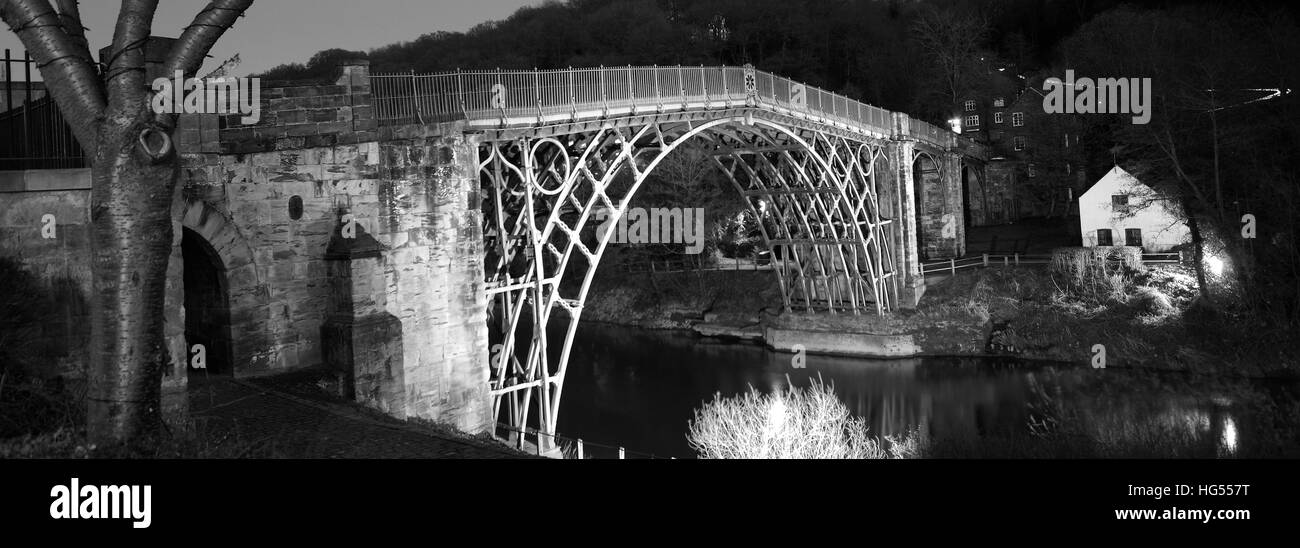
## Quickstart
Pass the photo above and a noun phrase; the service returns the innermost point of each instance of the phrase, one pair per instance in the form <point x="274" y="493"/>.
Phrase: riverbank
<point x="1149" y="321"/>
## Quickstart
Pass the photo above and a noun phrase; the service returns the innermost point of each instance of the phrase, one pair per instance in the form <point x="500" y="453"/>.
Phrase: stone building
<point x="1036" y="166"/>
<point x="260" y="274"/>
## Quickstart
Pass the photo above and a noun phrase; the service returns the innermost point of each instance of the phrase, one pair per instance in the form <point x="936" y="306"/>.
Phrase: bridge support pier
<point x="902" y="153"/>
<point x="427" y="216"/>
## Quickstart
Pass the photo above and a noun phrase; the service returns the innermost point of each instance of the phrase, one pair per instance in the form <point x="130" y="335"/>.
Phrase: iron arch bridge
<point x="837" y="174"/>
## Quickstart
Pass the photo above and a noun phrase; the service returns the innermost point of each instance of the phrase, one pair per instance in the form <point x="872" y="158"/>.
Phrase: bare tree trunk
<point x="1198" y="253"/>
<point x="132" y="242"/>
<point x="134" y="172"/>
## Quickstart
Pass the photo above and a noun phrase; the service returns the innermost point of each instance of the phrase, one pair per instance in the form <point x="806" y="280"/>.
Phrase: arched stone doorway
<point x="223" y="286"/>
<point x="207" y="305"/>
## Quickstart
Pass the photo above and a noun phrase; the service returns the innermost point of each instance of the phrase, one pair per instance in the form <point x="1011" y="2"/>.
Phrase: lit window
<point x="1017" y="119"/>
<point x="972" y="120"/>
<point x="999" y="102"/>
<point x="970" y="106"/>
<point x="997" y="117"/>
<point x="1019" y="143"/>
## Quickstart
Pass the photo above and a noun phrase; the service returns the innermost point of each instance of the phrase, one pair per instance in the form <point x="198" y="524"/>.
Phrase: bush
<point x="1091" y="264"/>
<point x="809" y="423"/>
<point x="1151" y="302"/>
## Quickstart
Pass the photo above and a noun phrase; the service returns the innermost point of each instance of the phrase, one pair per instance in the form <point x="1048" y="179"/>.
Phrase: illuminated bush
<point x="810" y="423"/>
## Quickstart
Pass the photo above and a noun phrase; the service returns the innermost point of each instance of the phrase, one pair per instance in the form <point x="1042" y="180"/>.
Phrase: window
<point x="1019" y="142"/>
<point x="1133" y="237"/>
<point x="1103" y="237"/>
<point x="997" y="117"/>
<point x="970" y="106"/>
<point x="1017" y="119"/>
<point x="999" y="102"/>
<point x="1032" y="172"/>
<point x="1119" y="201"/>
<point x="973" y="120"/>
<point x="1069" y="170"/>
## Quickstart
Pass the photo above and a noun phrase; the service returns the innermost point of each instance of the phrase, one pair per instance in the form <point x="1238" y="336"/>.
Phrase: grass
<point x="45" y="418"/>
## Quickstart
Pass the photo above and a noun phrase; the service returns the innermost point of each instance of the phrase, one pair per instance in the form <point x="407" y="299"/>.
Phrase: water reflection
<point x="639" y="389"/>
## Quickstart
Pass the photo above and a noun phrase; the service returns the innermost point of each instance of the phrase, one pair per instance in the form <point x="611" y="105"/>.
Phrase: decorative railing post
<point x="501" y="86"/>
<point x="726" y="97"/>
<point x="681" y="83"/>
<point x="604" y="96"/>
<point x="537" y="88"/>
<point x="751" y="86"/>
<point x="659" y="98"/>
<point x="415" y="99"/>
<point x="460" y="92"/>
<point x="704" y="85"/>
<point x="573" y="98"/>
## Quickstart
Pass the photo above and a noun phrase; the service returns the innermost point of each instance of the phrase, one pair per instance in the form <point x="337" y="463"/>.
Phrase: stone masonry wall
<point x="430" y="220"/>
<point x="268" y="198"/>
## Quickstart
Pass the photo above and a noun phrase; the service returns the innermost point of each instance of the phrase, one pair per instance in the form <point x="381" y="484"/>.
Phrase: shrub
<point x="796" y="423"/>
<point x="1151" y="302"/>
<point x="1090" y="264"/>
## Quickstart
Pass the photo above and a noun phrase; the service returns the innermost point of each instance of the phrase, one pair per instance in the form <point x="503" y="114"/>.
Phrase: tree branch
<point x="70" y="16"/>
<point x="208" y="26"/>
<point x="69" y="76"/>
<point x="197" y="40"/>
<point x="124" y="73"/>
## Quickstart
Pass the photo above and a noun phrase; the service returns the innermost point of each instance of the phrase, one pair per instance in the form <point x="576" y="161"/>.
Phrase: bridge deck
<point x="493" y="100"/>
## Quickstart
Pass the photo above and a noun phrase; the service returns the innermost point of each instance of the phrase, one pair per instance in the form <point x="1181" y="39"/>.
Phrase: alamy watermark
<point x="222" y="95"/>
<point x="1100" y="96"/>
<point x="657" y="225"/>
<point x="76" y="501"/>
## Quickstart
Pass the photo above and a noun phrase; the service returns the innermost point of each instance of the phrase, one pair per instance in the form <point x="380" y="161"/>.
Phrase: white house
<point x="1122" y="211"/>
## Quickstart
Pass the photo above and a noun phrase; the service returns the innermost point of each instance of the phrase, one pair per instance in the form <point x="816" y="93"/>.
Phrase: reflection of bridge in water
<point x="859" y="192"/>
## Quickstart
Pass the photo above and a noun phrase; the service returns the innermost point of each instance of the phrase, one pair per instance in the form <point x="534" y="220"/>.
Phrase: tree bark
<point x="132" y="241"/>
<point x="134" y="170"/>
<point x="1198" y="250"/>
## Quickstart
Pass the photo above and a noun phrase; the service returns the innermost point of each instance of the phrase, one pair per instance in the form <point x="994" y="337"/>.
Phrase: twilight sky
<point x="282" y="31"/>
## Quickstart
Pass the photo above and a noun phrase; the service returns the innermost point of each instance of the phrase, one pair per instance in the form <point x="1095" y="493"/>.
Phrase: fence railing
<point x="33" y="133"/>
<point x="533" y="97"/>
<point x="951" y="266"/>
<point x="565" y="447"/>
<point x="690" y="264"/>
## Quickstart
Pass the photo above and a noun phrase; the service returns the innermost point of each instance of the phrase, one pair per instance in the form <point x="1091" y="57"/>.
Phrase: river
<point x="639" y="389"/>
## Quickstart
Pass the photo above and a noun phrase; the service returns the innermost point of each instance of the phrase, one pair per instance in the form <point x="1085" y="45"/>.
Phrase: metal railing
<point x="508" y="98"/>
<point x="544" y="444"/>
<point x="951" y="266"/>
<point x="33" y="133"/>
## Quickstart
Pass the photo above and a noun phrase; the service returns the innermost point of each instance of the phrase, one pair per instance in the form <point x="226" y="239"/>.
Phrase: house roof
<point x="1116" y="177"/>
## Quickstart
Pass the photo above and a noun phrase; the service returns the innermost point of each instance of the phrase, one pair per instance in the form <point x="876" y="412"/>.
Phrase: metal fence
<point x="532" y="440"/>
<point x="498" y="98"/>
<point x="33" y="133"/>
<point x="951" y="266"/>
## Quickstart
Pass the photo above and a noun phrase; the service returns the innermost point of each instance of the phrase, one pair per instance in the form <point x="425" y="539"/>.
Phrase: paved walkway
<point x="292" y="426"/>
